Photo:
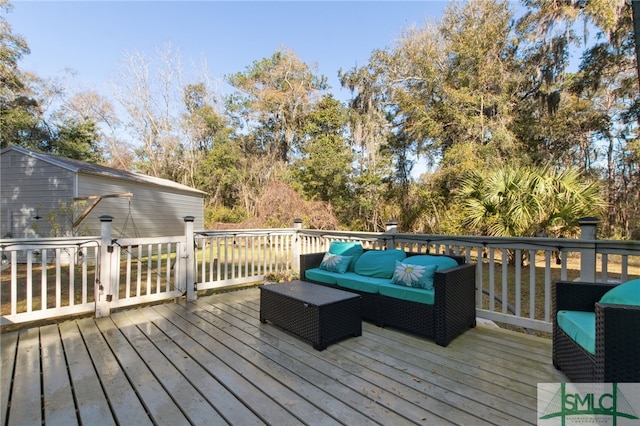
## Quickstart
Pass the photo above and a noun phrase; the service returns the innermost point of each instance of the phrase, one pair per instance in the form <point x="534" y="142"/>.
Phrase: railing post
<point x="189" y="260"/>
<point x="297" y="245"/>
<point x="588" y="229"/>
<point x="392" y="226"/>
<point x="102" y="287"/>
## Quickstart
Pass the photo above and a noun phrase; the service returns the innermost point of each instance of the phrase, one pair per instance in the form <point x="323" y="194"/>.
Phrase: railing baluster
<point x="44" y="281"/>
<point x="604" y="269"/>
<point x="127" y="279"/>
<point x="532" y="283"/>
<point x="29" y="282"/>
<point x="168" y="267"/>
<point x="72" y="275"/>
<point x="547" y="285"/>
<point x="505" y="281"/>
<point x="14" y="281"/>
<point x="518" y="282"/>
<point x="492" y="278"/>
<point x="479" y="280"/>
<point x="563" y="265"/>
<point x="149" y="266"/>
<point x="139" y="277"/>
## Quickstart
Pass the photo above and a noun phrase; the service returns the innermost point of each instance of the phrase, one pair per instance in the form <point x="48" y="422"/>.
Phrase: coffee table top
<point x="313" y="294"/>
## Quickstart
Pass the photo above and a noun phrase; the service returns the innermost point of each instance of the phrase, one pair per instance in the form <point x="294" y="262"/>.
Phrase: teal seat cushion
<point x="579" y="326"/>
<point x="321" y="276"/>
<point x="347" y="248"/>
<point x="335" y="263"/>
<point x="441" y="262"/>
<point x="353" y="281"/>
<point x="411" y="294"/>
<point x="413" y="275"/>
<point x="378" y="263"/>
<point x="623" y="294"/>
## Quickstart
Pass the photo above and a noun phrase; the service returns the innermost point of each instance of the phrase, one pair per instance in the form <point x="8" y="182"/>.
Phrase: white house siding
<point x="34" y="184"/>
<point x="152" y="211"/>
<point x="30" y="190"/>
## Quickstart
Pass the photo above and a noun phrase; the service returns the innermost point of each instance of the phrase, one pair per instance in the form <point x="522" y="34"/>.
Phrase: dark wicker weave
<point x="315" y="313"/>
<point x="617" y="336"/>
<point x="452" y="313"/>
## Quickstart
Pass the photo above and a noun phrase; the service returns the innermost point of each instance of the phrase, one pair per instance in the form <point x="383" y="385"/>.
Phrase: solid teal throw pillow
<point x="335" y="263"/>
<point x="623" y="294"/>
<point x="347" y="248"/>
<point x="441" y="262"/>
<point x="378" y="263"/>
<point x="413" y="275"/>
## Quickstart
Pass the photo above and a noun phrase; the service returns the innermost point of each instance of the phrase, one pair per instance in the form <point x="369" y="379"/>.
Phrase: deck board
<point x="59" y="404"/>
<point x="26" y="384"/>
<point x="199" y="369"/>
<point x="302" y="359"/>
<point x="91" y="403"/>
<point x="117" y="387"/>
<point x="249" y="357"/>
<point x="8" y="344"/>
<point x="157" y="401"/>
<point x="213" y="362"/>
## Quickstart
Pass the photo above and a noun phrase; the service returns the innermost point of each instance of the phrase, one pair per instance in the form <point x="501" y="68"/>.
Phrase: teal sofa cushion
<point x="378" y="263"/>
<point x="623" y="294"/>
<point x="441" y="262"/>
<point x="335" y="263"/>
<point x="579" y="326"/>
<point x="413" y="275"/>
<point x="321" y="276"/>
<point x="347" y="248"/>
<point x="354" y="281"/>
<point x="411" y="294"/>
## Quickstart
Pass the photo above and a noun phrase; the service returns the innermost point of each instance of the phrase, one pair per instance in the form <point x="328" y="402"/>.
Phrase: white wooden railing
<point x="505" y="287"/>
<point x="97" y="274"/>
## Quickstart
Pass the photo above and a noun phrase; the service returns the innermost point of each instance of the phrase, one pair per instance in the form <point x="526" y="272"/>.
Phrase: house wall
<point x="30" y="189"/>
<point x="152" y="211"/>
<point x="33" y="189"/>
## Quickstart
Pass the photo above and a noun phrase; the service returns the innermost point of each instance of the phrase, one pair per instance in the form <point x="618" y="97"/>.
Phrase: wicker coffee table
<point x="312" y="312"/>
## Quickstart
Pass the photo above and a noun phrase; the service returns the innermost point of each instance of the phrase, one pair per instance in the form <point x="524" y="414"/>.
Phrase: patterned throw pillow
<point x="335" y="263"/>
<point x="418" y="276"/>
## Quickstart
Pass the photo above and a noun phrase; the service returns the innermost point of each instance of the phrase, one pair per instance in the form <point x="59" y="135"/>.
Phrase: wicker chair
<point x="617" y="336"/>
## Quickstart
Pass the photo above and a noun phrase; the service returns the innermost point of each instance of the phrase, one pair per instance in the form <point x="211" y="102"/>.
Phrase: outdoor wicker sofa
<point x="451" y="313"/>
<point x="612" y="353"/>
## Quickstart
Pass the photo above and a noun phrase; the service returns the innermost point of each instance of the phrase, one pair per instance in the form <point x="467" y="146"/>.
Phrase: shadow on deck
<point x="212" y="362"/>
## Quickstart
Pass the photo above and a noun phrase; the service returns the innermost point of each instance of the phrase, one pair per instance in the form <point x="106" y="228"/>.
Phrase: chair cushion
<point x="579" y="326"/>
<point x="353" y="281"/>
<point x="335" y="263"/>
<point x="411" y="294"/>
<point x="441" y="262"/>
<point x="623" y="294"/>
<point x="413" y="275"/>
<point x="321" y="276"/>
<point x="347" y="248"/>
<point x="378" y="263"/>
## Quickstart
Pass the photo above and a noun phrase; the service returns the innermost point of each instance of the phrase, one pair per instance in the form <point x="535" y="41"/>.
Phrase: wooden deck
<point x="212" y="362"/>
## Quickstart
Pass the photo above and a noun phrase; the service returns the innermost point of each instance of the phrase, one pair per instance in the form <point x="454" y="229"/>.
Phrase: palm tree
<point x="519" y="201"/>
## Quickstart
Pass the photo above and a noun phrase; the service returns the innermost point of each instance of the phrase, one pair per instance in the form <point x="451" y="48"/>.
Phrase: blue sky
<point x="90" y="37"/>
